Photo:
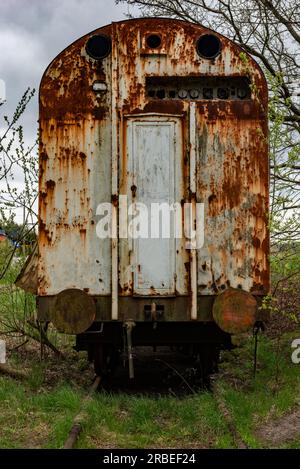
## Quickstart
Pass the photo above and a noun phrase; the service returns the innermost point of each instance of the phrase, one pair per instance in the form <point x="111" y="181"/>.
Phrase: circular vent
<point x="208" y="46"/>
<point x="98" y="46"/>
<point x="153" y="41"/>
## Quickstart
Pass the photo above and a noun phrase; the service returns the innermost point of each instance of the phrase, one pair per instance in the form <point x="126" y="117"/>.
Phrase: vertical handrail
<point x="114" y="173"/>
<point x="193" y="244"/>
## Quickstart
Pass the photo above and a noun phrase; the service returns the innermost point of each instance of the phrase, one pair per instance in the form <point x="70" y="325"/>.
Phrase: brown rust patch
<point x="100" y="112"/>
<point x="115" y="199"/>
<point x="44" y="234"/>
<point x="50" y="184"/>
<point x="82" y="155"/>
<point x="256" y="242"/>
<point x="231" y="109"/>
<point x="73" y="76"/>
<point x="82" y="233"/>
<point x="169" y="107"/>
<point x="231" y="188"/>
<point x="43" y="156"/>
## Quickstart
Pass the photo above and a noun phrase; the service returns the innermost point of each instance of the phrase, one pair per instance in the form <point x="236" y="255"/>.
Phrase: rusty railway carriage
<point x="159" y="110"/>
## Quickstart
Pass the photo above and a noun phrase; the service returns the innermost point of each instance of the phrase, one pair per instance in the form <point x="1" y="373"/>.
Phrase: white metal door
<point x="153" y="154"/>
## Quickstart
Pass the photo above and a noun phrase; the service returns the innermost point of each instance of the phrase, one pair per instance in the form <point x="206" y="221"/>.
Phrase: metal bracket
<point x="258" y="326"/>
<point x="129" y="326"/>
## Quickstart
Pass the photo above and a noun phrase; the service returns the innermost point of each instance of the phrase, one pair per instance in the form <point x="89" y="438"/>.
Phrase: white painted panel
<point x="75" y="257"/>
<point x="127" y="258"/>
<point x="153" y="167"/>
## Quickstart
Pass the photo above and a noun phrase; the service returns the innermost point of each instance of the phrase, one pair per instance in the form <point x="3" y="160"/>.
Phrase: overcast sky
<point x="32" y="33"/>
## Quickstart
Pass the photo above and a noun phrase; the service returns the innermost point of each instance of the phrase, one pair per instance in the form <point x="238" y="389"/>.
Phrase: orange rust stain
<point x="256" y="242"/>
<point x="50" y="184"/>
<point x="44" y="235"/>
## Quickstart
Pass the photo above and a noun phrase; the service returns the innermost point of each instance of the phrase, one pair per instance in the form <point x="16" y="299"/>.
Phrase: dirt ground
<point x="281" y="430"/>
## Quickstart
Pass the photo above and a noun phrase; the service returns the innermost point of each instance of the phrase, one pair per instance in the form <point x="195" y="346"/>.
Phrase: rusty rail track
<point x="225" y="412"/>
<point x="81" y="416"/>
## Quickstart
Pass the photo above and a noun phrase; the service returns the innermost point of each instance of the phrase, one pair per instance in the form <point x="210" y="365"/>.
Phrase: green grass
<point x="38" y="412"/>
<point x="139" y="422"/>
<point x="273" y="393"/>
<point x="29" y="418"/>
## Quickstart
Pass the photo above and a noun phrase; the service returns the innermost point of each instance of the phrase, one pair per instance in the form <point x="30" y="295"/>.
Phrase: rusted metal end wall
<point x="232" y="182"/>
<point x="76" y="170"/>
<point x="75" y="154"/>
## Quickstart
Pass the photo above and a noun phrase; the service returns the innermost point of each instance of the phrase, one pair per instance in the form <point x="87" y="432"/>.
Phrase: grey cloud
<point x="33" y="32"/>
